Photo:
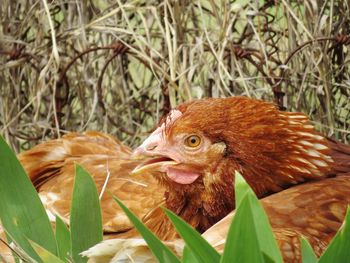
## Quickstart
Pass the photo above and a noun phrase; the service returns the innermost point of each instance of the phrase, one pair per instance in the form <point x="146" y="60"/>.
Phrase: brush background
<point x="118" y="66"/>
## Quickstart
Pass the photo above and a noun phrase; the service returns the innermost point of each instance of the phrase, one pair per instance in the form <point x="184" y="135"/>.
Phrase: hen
<point x="189" y="164"/>
<point x="51" y="165"/>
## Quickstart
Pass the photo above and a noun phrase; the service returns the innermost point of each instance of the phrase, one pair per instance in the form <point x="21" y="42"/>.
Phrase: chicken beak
<point x="155" y="164"/>
<point x="151" y="151"/>
<point x="153" y="161"/>
<point x="162" y="158"/>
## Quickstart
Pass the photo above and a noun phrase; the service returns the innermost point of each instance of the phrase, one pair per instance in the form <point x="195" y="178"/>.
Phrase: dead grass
<point x="118" y="67"/>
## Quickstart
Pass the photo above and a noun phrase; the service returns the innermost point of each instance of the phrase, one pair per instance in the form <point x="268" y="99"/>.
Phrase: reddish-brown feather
<point x="314" y="210"/>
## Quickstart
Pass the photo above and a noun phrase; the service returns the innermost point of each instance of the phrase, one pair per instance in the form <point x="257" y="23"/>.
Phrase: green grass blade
<point x="268" y="259"/>
<point x="159" y="250"/>
<point x="21" y="211"/>
<point x="251" y="224"/>
<point x="63" y="239"/>
<point x="15" y="255"/>
<point x="241" y="188"/>
<point x="188" y="256"/>
<point x="307" y="253"/>
<point x="242" y="244"/>
<point x="338" y="250"/>
<point x="200" y="248"/>
<point x="45" y="255"/>
<point x="86" y="218"/>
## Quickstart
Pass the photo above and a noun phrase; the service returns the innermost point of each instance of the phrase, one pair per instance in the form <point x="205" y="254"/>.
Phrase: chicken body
<point x="188" y="163"/>
<point x="314" y="210"/>
<point x="51" y="167"/>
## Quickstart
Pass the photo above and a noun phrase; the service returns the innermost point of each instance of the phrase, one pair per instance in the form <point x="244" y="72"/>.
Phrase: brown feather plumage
<point x="314" y="210"/>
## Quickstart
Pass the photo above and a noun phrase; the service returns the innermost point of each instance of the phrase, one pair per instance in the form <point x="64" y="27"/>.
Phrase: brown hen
<point x="189" y="164"/>
<point x="51" y="165"/>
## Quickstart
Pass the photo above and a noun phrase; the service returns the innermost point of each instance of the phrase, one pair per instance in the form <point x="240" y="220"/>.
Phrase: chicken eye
<point x="193" y="141"/>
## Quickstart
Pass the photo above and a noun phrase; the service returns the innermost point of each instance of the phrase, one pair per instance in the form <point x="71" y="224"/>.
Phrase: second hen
<point x="51" y="167"/>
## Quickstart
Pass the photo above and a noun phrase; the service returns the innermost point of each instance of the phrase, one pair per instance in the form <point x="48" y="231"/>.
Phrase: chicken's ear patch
<point x="219" y="148"/>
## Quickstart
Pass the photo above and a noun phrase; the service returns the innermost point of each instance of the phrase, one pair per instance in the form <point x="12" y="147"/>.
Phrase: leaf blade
<point x="241" y="234"/>
<point x="338" y="250"/>
<point x="159" y="250"/>
<point x="45" y="255"/>
<point x="21" y="211"/>
<point x="199" y="247"/>
<point x="250" y="222"/>
<point x="63" y="239"/>
<point x="307" y="253"/>
<point x="86" y="217"/>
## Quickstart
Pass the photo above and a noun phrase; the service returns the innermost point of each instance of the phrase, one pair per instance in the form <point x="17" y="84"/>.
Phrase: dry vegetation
<point x="118" y="66"/>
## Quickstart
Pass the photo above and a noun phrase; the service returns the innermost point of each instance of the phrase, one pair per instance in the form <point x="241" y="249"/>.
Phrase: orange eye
<point x="193" y="141"/>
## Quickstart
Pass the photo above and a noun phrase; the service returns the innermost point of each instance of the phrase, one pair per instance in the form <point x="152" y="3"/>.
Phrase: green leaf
<point x="267" y="259"/>
<point x="45" y="255"/>
<point x="159" y="250"/>
<point x="63" y="239"/>
<point x="241" y="236"/>
<point x="188" y="256"/>
<point x="200" y="248"/>
<point x="338" y="250"/>
<point x="241" y="188"/>
<point x="86" y="218"/>
<point x="21" y="211"/>
<point x="250" y="225"/>
<point x="15" y="255"/>
<point x="307" y="253"/>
